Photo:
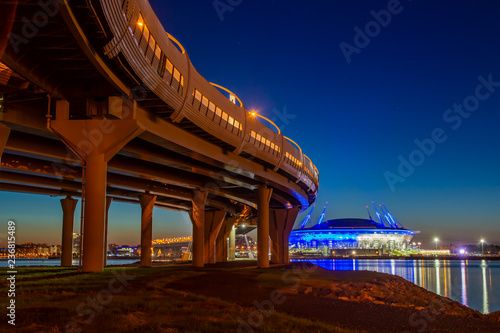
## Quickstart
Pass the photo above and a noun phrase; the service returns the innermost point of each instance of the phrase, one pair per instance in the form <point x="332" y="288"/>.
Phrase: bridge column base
<point x="68" y="206"/>
<point x="197" y="215"/>
<point x="213" y="223"/>
<point x="280" y="224"/>
<point x="263" y="197"/>
<point x="95" y="141"/>
<point x="147" y="204"/>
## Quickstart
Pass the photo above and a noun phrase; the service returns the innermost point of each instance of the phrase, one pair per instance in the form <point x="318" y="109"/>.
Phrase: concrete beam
<point x="207" y="152"/>
<point x="27" y="164"/>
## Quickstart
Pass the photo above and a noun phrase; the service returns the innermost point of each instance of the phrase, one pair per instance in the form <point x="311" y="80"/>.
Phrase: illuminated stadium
<point x="367" y="235"/>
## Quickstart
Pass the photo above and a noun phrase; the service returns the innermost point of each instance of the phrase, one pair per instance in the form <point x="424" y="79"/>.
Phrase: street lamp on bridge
<point x="436" y="240"/>
<point x="482" y="247"/>
<point x="255" y="114"/>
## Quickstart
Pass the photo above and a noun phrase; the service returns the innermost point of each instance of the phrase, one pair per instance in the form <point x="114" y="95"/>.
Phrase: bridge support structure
<point x="213" y="223"/>
<point x="68" y="205"/>
<point x="263" y="197"/>
<point x="147" y="201"/>
<point x="197" y="214"/>
<point x="108" y="204"/>
<point x="222" y="238"/>
<point x="280" y="224"/>
<point x="232" y="244"/>
<point x="95" y="141"/>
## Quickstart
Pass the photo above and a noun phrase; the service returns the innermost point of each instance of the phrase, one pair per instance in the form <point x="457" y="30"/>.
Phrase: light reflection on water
<point x="470" y="282"/>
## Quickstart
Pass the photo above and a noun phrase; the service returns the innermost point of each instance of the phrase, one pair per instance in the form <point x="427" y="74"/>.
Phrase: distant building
<point x="351" y="233"/>
<point x="440" y="252"/>
<point x="364" y="236"/>
<point x="55" y="249"/>
<point x="112" y="248"/>
<point x="76" y="243"/>
<point x="127" y="251"/>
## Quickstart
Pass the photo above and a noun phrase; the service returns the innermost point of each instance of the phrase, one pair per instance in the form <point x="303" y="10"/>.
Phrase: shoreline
<point x="307" y="257"/>
<point x="414" y="257"/>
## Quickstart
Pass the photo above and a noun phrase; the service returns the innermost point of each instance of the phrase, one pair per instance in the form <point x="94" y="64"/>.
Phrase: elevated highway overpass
<point x="99" y="102"/>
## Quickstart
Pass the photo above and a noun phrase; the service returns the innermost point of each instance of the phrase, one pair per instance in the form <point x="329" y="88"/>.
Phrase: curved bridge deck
<point x="99" y="102"/>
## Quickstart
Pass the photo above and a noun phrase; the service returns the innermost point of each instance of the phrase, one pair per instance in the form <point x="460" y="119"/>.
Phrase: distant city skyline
<point x="166" y="224"/>
<point x="407" y="114"/>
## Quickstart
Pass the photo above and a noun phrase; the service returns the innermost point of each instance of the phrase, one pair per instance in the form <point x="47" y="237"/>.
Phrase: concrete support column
<point x="263" y="197"/>
<point x="222" y="238"/>
<point x="95" y="141"/>
<point x="94" y="213"/>
<point x="213" y="223"/>
<point x="281" y="222"/>
<point x="147" y="204"/>
<point x="4" y="135"/>
<point x="68" y="206"/>
<point x="198" y="200"/>
<point x="108" y="203"/>
<point x="232" y="244"/>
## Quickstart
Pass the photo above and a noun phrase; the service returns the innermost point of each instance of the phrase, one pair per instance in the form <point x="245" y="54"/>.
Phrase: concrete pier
<point x="263" y="197"/>
<point x="68" y="205"/>
<point x="147" y="204"/>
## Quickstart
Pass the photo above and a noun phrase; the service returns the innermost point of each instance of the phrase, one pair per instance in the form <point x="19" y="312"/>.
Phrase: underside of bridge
<point x="76" y="124"/>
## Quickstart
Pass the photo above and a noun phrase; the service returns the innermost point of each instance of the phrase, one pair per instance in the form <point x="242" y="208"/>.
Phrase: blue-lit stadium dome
<point x="352" y="233"/>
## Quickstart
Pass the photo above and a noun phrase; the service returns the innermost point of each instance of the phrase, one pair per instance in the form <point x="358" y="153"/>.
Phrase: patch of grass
<point x="54" y="299"/>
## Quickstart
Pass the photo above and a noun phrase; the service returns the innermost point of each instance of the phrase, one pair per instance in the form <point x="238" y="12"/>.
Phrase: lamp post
<point x="482" y="247"/>
<point x="419" y="248"/>
<point x="436" y="240"/>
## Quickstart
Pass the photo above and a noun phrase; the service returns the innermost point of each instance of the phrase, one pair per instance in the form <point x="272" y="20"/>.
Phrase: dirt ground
<point x="370" y="301"/>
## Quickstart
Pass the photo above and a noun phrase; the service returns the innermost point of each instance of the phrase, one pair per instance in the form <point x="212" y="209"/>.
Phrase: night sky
<point x="359" y="96"/>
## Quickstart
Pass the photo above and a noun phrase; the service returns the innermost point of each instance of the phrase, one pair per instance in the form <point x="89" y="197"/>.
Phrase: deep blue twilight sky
<point x="354" y="119"/>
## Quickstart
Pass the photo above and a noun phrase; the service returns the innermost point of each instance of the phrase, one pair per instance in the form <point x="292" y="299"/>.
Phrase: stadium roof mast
<point x="307" y="218"/>
<point x="380" y="221"/>
<point x="369" y="215"/>
<point x="387" y="218"/>
<point x="396" y="222"/>
<point x="321" y="217"/>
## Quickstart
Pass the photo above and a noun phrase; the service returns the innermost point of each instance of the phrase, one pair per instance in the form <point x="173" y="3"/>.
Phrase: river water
<point x="57" y="262"/>
<point x="474" y="283"/>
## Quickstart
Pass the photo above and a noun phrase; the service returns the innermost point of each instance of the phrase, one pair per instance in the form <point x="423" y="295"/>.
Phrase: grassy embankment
<point x="51" y="299"/>
<point x="225" y="298"/>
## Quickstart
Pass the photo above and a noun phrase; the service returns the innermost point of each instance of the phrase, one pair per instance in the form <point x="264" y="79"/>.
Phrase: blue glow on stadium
<point x="353" y="233"/>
